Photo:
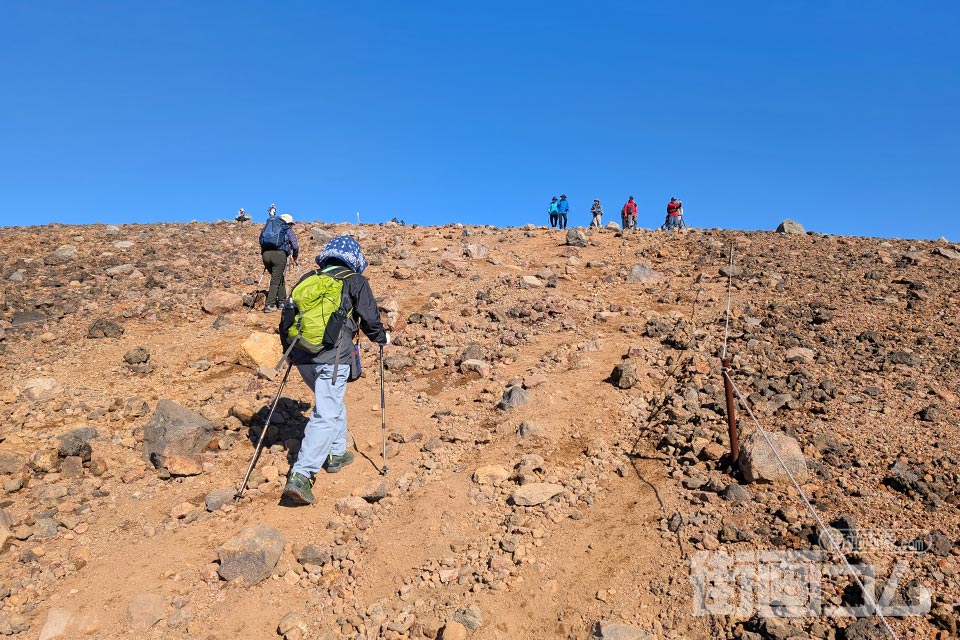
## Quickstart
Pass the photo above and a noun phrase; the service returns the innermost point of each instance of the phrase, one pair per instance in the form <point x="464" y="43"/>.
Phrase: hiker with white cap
<point x="326" y="309"/>
<point x="277" y="242"/>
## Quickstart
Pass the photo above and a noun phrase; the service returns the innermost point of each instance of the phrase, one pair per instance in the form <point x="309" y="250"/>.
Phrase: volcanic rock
<point x="175" y="430"/>
<point x="251" y="555"/>
<point x="759" y="463"/>
<point x="220" y="302"/>
<point x="535" y="493"/>
<point x="790" y="227"/>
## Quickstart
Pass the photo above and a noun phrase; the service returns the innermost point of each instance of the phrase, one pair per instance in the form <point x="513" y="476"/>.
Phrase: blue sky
<point x="840" y="115"/>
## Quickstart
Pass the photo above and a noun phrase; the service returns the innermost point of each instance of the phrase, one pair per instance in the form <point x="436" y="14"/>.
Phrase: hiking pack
<point x="314" y="315"/>
<point x="274" y="235"/>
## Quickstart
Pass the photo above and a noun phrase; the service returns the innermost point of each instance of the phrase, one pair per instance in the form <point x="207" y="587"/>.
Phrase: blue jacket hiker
<point x="562" y="207"/>
<point x="554" y="211"/>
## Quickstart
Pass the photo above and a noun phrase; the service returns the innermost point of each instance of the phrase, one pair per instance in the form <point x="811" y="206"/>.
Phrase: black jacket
<point x="365" y="317"/>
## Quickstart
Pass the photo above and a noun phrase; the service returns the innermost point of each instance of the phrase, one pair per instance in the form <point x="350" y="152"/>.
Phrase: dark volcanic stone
<point x="105" y="328"/>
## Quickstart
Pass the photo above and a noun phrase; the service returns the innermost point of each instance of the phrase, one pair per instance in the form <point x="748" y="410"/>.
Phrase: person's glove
<point x="388" y="338"/>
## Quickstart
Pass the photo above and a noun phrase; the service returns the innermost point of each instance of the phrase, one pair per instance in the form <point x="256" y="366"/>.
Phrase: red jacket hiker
<point x="673" y="207"/>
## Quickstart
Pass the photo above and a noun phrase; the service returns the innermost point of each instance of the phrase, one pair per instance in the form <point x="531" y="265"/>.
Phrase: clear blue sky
<point x="841" y="115"/>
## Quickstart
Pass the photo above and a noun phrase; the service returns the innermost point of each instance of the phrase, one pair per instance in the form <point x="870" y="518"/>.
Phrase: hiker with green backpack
<point x="326" y="309"/>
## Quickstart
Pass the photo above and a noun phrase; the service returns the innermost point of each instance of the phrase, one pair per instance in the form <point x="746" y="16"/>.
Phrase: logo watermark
<point x="789" y="584"/>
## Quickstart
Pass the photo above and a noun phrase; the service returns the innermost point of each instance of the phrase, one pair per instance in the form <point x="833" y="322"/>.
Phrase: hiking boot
<point x="270" y="308"/>
<point x="298" y="489"/>
<point x="335" y="463"/>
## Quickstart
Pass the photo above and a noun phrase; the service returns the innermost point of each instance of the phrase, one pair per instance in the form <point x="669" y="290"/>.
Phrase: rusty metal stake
<point x="731" y="414"/>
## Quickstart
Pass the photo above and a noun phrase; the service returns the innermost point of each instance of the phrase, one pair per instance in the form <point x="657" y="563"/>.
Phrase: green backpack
<point x="317" y="316"/>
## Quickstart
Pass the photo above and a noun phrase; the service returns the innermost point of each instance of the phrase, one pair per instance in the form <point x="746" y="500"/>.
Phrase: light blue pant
<point x="326" y="431"/>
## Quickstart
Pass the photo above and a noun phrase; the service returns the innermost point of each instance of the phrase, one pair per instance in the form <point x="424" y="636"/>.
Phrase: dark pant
<point x="275" y="261"/>
<point x="563" y="221"/>
<point x="553" y="219"/>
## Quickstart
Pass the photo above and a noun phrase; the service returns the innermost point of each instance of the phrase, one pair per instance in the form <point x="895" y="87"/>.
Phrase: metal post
<point x="731" y="414"/>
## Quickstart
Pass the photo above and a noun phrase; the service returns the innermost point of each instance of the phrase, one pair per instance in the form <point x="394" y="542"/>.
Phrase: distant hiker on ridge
<point x="674" y="215"/>
<point x="327" y="369"/>
<point x="277" y="241"/>
<point x="597" y="212"/>
<point x="242" y="216"/>
<point x="562" y="208"/>
<point x="628" y="215"/>
<point x="272" y="210"/>
<point x="554" y="211"/>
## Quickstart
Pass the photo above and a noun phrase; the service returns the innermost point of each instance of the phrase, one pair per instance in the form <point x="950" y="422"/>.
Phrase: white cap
<point x="286" y="217"/>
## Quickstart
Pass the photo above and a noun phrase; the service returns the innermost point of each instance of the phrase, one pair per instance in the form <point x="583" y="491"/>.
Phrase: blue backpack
<point x="274" y="235"/>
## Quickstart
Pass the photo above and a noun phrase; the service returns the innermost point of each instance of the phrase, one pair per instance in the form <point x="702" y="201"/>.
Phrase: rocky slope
<point x="558" y="452"/>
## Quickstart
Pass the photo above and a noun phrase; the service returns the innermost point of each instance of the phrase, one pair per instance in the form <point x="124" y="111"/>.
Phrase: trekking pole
<point x="383" y="415"/>
<point x="262" y="276"/>
<point x="263" y="435"/>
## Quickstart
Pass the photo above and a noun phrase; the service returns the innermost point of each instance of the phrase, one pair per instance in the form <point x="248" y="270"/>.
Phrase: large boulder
<point x="260" y="349"/>
<point x="576" y="238"/>
<point x="792" y="228"/>
<point x="251" y="555"/>
<point x="174" y="430"/>
<point x="759" y="463"/>
<point x="220" y="302"/>
<point x="513" y="397"/>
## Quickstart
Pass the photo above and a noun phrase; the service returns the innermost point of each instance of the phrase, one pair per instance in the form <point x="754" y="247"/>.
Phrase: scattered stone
<point x="179" y="466"/>
<point x="454" y="630"/>
<point x="904" y="357"/>
<point x="604" y="630"/>
<point x="864" y="629"/>
<point x="470" y="617"/>
<point x="146" y="610"/>
<point x="220" y="302"/>
<point x="948" y="253"/>
<point x="531" y="430"/>
<point x="477" y="251"/>
<point x="10" y="463"/>
<point x="513" y="397"/>
<point x="476" y="366"/>
<point x="251" y="555"/>
<point x="353" y="506"/>
<point x="530" y="282"/>
<point x="735" y="493"/>
<point x="260" y="349"/>
<point x="120" y="270"/>
<point x="137" y="355"/>
<point x="624" y="375"/>
<point x="61" y="255"/>
<point x="576" y="238"/>
<point x="56" y="624"/>
<point x="493" y="474"/>
<point x="71" y="444"/>
<point x="759" y="463"/>
<point x="292" y="626"/>
<point x="800" y="355"/>
<point x="105" y="328"/>
<point x="534" y="493"/>
<point x="792" y="228"/>
<point x="219" y="497"/>
<point x="175" y="430"/>
<point x="643" y="274"/>
<point x="41" y="389"/>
